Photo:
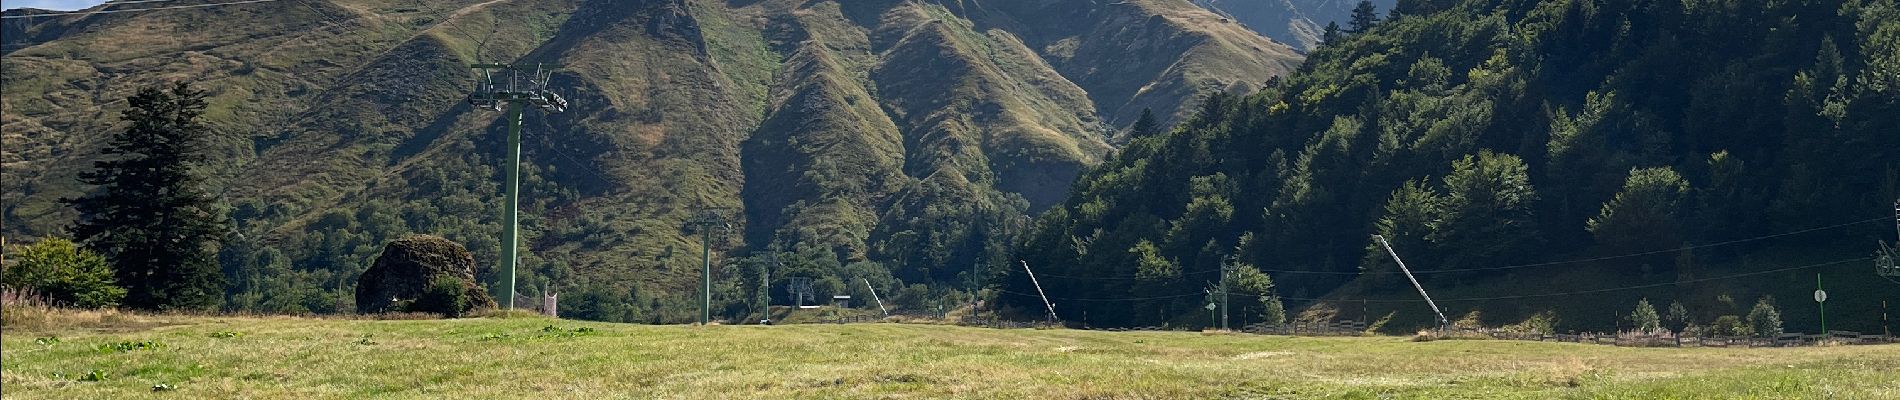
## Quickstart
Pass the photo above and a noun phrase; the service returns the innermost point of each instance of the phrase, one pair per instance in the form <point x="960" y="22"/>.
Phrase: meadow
<point x="111" y="355"/>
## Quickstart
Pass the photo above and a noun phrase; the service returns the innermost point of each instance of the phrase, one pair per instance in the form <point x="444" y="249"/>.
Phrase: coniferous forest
<point x="1508" y="147"/>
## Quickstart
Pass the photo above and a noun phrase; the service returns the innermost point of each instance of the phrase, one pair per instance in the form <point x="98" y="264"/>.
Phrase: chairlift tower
<point x="517" y="92"/>
<point x="706" y="221"/>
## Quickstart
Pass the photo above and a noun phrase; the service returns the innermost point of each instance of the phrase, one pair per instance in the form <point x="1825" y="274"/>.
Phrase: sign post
<point x="1211" y="317"/>
<point x="1820" y="297"/>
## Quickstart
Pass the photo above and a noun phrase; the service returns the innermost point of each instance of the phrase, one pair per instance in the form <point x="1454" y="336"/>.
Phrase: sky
<point x="63" y="5"/>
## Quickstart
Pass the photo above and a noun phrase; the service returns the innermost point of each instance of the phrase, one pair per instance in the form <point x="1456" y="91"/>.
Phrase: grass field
<point x="285" y="358"/>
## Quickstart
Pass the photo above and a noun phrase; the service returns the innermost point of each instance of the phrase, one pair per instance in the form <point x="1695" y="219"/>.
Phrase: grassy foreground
<point x="281" y="357"/>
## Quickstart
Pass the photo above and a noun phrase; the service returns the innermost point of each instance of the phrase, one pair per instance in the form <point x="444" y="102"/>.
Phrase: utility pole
<point x="1442" y="321"/>
<point x="976" y="271"/>
<point x="1226" y="270"/>
<point x="765" y="285"/>
<point x="705" y="221"/>
<point x="516" y="94"/>
<point x="1039" y="292"/>
<point x="880" y="302"/>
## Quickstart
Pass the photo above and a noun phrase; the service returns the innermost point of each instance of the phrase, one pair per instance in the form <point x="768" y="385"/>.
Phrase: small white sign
<point x="1820" y="296"/>
<point x="1210" y="306"/>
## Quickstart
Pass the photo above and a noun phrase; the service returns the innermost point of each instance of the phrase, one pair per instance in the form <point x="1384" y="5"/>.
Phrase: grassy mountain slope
<point x="1298" y="22"/>
<point x="911" y="133"/>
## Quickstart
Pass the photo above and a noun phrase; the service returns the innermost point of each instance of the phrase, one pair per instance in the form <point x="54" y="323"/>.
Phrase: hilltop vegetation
<point x="271" y="358"/>
<point x="1488" y="139"/>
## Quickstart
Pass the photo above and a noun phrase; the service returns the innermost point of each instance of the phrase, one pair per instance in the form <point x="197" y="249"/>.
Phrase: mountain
<point x="909" y="133"/>
<point x="1301" y="23"/>
<point x="1570" y="157"/>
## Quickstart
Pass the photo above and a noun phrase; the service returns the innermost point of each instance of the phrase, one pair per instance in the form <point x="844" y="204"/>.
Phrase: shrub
<point x="446" y="295"/>
<point x="1543" y="323"/>
<point x="1764" y="319"/>
<point x="1318" y="313"/>
<point x="1471" y="320"/>
<point x="1272" y="310"/>
<point x="65" y="273"/>
<point x="1730" y="325"/>
<point x="1645" y="317"/>
<point x="1678" y="316"/>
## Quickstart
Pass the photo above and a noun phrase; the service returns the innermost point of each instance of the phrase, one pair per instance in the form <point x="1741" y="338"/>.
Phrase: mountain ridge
<point x="908" y="133"/>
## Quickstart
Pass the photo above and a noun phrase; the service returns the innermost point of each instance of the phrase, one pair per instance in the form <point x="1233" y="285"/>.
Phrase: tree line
<point x="1490" y="133"/>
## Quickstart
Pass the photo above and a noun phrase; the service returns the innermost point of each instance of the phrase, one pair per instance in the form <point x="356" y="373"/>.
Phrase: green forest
<point x="1514" y="147"/>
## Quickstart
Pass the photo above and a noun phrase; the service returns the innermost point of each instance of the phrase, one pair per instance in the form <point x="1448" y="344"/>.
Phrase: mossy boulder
<point x="407" y="268"/>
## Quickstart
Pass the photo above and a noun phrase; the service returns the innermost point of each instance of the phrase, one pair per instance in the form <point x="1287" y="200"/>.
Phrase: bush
<point x="446" y="295"/>
<point x="1645" y="317"/>
<point x="1730" y="325"/>
<point x="1764" y="319"/>
<point x="1272" y="311"/>
<point x="65" y="273"/>
<point x="1543" y="323"/>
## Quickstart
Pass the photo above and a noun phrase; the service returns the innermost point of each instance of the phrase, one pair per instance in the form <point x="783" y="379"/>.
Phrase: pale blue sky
<point x="62" y="5"/>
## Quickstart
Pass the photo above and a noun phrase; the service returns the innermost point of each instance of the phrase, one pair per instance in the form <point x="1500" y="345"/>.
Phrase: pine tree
<point x="1488" y="215"/>
<point x="1364" y="17"/>
<point x="1330" y="34"/>
<point x="1146" y="126"/>
<point x="148" y="213"/>
<point x="1644" y="217"/>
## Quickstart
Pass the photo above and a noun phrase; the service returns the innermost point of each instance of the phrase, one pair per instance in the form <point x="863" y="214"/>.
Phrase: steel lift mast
<point x="517" y="93"/>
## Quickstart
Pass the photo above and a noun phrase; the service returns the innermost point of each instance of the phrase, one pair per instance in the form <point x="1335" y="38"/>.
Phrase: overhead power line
<point x="136" y="9"/>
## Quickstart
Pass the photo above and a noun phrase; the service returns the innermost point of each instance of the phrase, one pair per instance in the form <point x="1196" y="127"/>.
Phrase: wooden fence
<point x="1672" y="340"/>
<point x="1358" y="328"/>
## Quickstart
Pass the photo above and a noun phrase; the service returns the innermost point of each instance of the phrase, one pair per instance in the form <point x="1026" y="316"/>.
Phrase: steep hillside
<point x="1301" y="23"/>
<point x="912" y="134"/>
<point x="1569" y="156"/>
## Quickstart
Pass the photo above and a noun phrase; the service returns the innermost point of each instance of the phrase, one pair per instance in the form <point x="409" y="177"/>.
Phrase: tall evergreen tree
<point x="148" y="213"/>
<point x="1644" y="217"/>
<point x="1487" y="211"/>
<point x="1330" y="34"/>
<point x="1146" y="126"/>
<point x="1364" y="16"/>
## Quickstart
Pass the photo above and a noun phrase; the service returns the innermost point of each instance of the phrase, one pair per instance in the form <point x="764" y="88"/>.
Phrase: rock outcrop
<point x="406" y="268"/>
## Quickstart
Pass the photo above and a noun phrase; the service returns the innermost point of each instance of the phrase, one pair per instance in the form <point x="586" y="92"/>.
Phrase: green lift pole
<point x="705" y="264"/>
<point x="517" y="93"/>
<point x="705" y="222"/>
<point x="1822" y="301"/>
<point x="511" y="211"/>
